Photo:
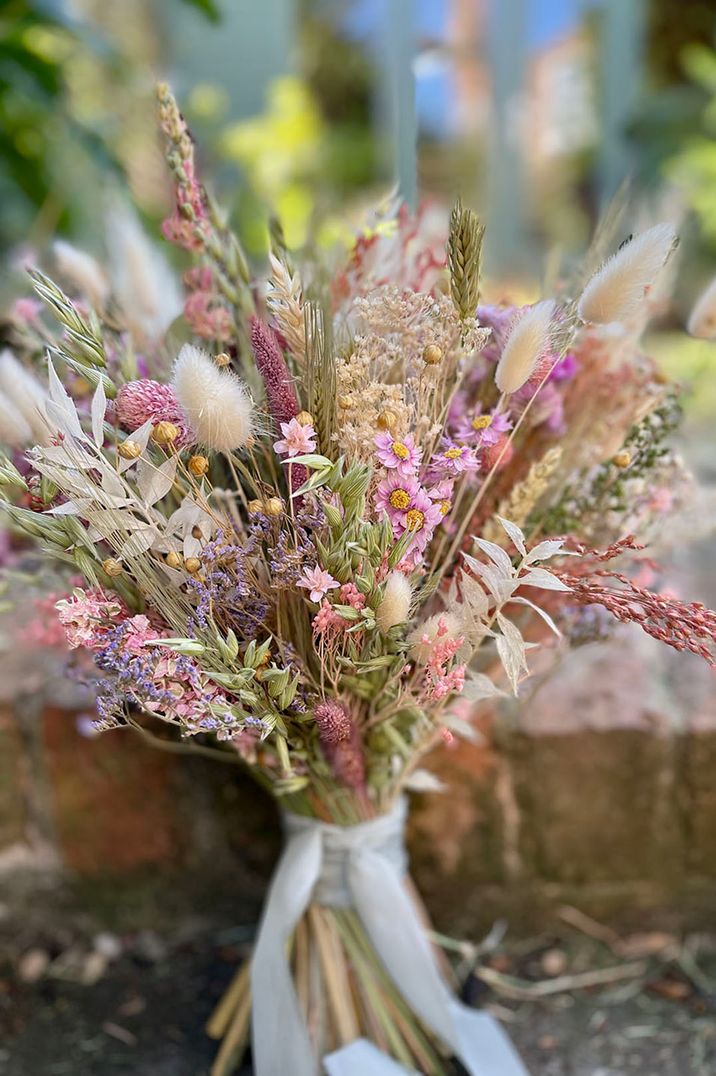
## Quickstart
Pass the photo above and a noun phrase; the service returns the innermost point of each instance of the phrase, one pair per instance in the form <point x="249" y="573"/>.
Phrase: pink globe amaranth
<point x="145" y="400"/>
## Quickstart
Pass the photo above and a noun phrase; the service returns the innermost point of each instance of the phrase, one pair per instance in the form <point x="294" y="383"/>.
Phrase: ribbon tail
<point x="362" y="1058"/>
<point x="281" y="1044"/>
<point x="394" y="927"/>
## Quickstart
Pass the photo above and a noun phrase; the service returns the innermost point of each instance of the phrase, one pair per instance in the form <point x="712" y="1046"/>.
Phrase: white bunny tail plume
<point x="217" y="403"/>
<point x="14" y="430"/>
<point x="82" y="271"/>
<point x="24" y="393"/>
<point x="618" y="288"/>
<point x="394" y="606"/>
<point x="528" y="340"/>
<point x="702" y="319"/>
<point x="142" y="281"/>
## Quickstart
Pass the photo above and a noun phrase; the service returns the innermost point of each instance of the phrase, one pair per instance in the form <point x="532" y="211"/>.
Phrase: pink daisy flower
<point x="442" y="495"/>
<point x="478" y="429"/>
<point x="421" y="519"/>
<point x="297" y="440"/>
<point x="318" y="582"/>
<point x="453" y="460"/>
<point x="401" y="456"/>
<point x="395" y="495"/>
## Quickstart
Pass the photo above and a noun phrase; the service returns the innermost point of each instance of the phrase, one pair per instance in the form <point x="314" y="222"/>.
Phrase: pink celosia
<point x="280" y="390"/>
<point x="318" y="582"/>
<point x="399" y="455"/>
<point x="150" y="401"/>
<point x="297" y="440"/>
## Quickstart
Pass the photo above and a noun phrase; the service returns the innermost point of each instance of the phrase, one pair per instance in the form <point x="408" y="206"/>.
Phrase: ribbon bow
<point x="361" y="866"/>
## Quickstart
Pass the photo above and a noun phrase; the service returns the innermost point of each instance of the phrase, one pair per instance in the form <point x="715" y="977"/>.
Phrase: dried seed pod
<point x="112" y="567"/>
<point x="273" y="506"/>
<point x="432" y="355"/>
<point x="387" y="420"/>
<point x="192" y="565"/>
<point x="222" y="359"/>
<point x="129" y="450"/>
<point x="165" y="433"/>
<point x="198" y="466"/>
<point x="174" y="560"/>
<point x="304" y="418"/>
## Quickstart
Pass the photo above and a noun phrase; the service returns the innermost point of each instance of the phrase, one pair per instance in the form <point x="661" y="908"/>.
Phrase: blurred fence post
<point x="397" y="56"/>
<point x="506" y="51"/>
<point x="621" y="47"/>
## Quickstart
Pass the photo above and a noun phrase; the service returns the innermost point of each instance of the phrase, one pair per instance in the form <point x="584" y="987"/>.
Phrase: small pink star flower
<point x="297" y="440"/>
<point x="401" y="456"/>
<point x="318" y="582"/>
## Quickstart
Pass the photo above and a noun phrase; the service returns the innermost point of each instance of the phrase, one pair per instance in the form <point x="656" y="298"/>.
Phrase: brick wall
<point x="599" y="789"/>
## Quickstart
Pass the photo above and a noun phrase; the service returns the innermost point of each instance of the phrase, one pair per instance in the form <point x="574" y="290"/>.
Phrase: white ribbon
<point x="362" y="866"/>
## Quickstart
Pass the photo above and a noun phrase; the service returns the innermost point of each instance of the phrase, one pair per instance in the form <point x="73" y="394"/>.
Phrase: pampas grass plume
<point x="702" y="319"/>
<point x="83" y="272"/>
<point x="26" y="397"/>
<point x="526" y="344"/>
<point x="394" y="607"/>
<point x="217" y="403"/>
<point x="617" y="289"/>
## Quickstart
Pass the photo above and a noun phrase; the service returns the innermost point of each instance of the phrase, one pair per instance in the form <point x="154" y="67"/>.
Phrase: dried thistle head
<point x="464" y="251"/>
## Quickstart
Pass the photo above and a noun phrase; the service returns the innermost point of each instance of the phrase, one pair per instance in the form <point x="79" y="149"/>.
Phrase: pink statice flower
<point x="145" y="400"/>
<point x="395" y="495"/>
<point x="297" y="440"/>
<point x="453" y="460"/>
<point x="87" y="615"/>
<point x="480" y="430"/>
<point x="399" y="455"/>
<point x="318" y="581"/>
<point x="350" y="595"/>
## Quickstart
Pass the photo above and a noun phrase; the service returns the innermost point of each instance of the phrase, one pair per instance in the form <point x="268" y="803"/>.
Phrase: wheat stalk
<point x="464" y="252"/>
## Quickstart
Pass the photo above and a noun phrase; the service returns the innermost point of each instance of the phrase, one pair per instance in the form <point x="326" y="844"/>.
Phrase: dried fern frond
<point x="285" y="301"/>
<point x="464" y="251"/>
<point x="525" y="496"/>
<point x="320" y="373"/>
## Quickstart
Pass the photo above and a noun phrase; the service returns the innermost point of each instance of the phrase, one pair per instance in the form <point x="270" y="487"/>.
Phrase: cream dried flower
<point x="24" y="395"/>
<point x="217" y="403"/>
<point x="617" y="289"/>
<point x="82" y="271"/>
<point x="702" y="319"/>
<point x="394" y="606"/>
<point x="528" y="340"/>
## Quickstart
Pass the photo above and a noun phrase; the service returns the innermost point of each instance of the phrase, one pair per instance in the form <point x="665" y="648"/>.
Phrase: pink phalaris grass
<point x="681" y="625"/>
<point x="281" y="396"/>
<point x="146" y="400"/>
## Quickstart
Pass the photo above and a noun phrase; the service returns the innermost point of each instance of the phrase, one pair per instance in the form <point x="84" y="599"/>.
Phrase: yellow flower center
<point x="400" y="450"/>
<point x="399" y="498"/>
<point x="445" y="507"/>
<point x="415" y="519"/>
<point x="481" y="422"/>
<point x="453" y="453"/>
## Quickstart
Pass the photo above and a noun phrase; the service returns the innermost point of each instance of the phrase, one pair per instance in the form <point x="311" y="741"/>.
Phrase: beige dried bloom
<point x="702" y="319"/>
<point x="618" y="288"/>
<point x="528" y="341"/>
<point x="394" y="606"/>
<point x="218" y="404"/>
<point x="524" y="496"/>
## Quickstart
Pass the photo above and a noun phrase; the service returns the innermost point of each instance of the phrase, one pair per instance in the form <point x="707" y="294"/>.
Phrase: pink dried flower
<point x="333" y="721"/>
<point x="204" y="310"/>
<point x="87" y="615"/>
<point x="395" y="496"/>
<point x="401" y="456"/>
<point x="453" y="460"/>
<point x="297" y="440"/>
<point x="421" y="519"/>
<point x="350" y="595"/>
<point x="442" y="494"/>
<point x="482" y="429"/>
<point x="280" y="389"/>
<point x="318" y="582"/>
<point x="150" y="401"/>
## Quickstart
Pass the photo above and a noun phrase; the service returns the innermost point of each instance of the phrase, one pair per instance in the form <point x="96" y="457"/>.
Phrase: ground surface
<point x="127" y="993"/>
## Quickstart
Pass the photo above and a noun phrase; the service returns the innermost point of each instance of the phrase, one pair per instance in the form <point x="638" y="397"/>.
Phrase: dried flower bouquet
<point x="338" y="511"/>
